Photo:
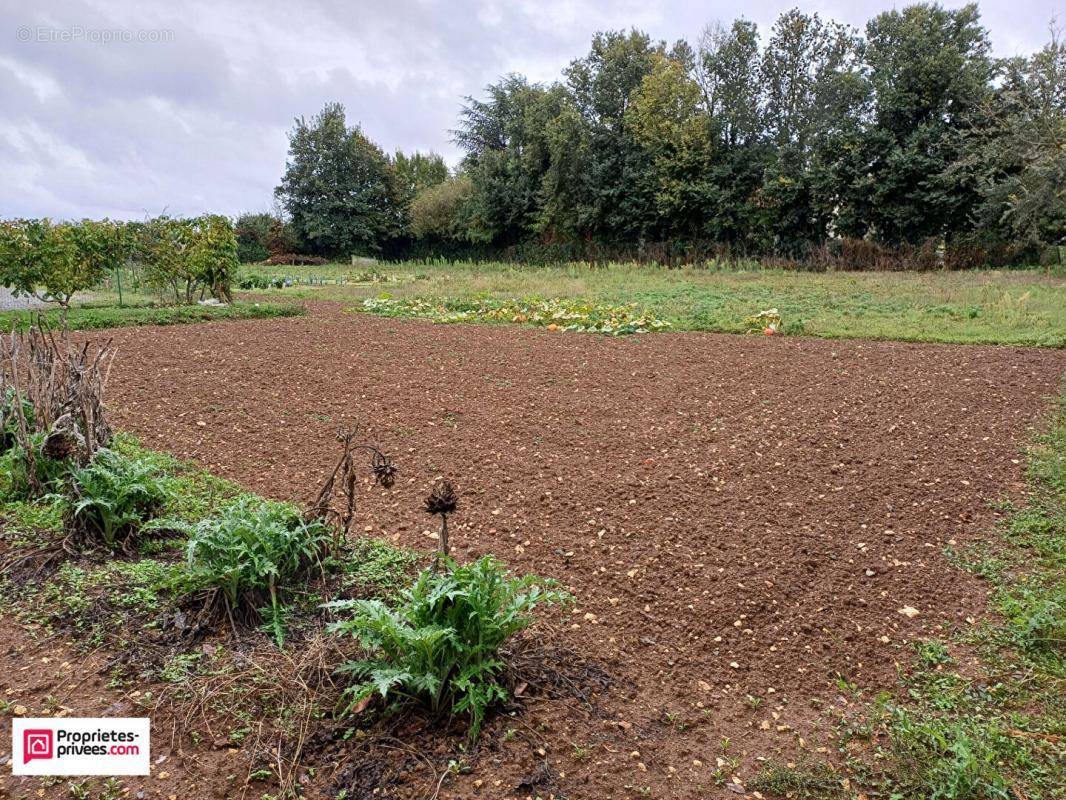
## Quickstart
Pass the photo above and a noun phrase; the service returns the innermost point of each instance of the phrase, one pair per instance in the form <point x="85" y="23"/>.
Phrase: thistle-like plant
<point x="252" y="554"/>
<point x="112" y="497"/>
<point x="441" y="644"/>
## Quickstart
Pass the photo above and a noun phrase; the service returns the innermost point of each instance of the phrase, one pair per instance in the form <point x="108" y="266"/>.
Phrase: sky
<point x="128" y="108"/>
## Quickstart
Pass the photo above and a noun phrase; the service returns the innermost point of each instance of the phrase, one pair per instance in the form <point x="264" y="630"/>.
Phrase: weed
<point x="800" y="780"/>
<point x="25" y="477"/>
<point x="932" y="653"/>
<point x="377" y="568"/>
<point x="180" y="667"/>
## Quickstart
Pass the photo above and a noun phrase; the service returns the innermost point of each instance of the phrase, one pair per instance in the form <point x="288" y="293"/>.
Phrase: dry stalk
<point x="343" y="482"/>
<point x="50" y="385"/>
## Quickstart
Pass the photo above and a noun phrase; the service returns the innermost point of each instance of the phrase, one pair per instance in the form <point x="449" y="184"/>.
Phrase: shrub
<point x="441" y="644"/>
<point x="251" y="554"/>
<point x="112" y="497"/>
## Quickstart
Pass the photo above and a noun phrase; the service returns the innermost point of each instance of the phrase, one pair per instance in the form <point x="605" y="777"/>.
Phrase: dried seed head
<point x="59" y="445"/>
<point x="384" y="471"/>
<point x="443" y="499"/>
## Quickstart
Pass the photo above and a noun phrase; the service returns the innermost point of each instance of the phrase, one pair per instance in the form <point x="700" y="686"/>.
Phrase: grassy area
<point x="106" y="314"/>
<point x="990" y="730"/>
<point x="1021" y="307"/>
<point x="116" y="598"/>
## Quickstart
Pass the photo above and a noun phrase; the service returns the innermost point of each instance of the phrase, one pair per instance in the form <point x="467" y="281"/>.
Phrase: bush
<point x="112" y="497"/>
<point x="252" y="553"/>
<point x="441" y="645"/>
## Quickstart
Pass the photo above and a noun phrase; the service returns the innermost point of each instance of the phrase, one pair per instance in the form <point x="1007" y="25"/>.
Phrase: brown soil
<point x="736" y="515"/>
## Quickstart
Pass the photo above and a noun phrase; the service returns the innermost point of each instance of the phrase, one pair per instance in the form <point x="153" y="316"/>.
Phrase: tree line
<point x="906" y="143"/>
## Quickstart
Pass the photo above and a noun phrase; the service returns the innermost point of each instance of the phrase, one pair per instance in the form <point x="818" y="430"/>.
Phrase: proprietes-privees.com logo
<point x="86" y="746"/>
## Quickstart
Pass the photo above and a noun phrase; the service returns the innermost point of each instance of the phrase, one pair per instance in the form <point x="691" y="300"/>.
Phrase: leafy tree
<point x="906" y="137"/>
<point x="189" y="257"/>
<point x="667" y="118"/>
<point x="162" y="246"/>
<point x="441" y="210"/>
<point x="930" y="70"/>
<point x="418" y="171"/>
<point x="52" y="262"/>
<point x="339" y="188"/>
<point x="507" y="154"/>
<point x="213" y="255"/>
<point x="612" y="190"/>
<point x="1017" y="151"/>
<point x="727" y="70"/>
<point x="810" y="71"/>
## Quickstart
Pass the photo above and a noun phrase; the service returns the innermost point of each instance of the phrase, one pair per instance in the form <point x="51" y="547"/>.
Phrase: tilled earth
<point x="741" y="519"/>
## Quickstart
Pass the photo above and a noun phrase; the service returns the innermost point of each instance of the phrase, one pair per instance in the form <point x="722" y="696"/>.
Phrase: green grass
<point x="107" y="314"/>
<point x="996" y="731"/>
<point x="1020" y="307"/>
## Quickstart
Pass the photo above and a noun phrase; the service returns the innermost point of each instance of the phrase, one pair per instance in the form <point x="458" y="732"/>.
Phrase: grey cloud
<point x="198" y="122"/>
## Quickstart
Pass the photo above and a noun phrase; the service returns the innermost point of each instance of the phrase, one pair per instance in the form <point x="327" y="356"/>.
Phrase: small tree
<point x="162" y="245"/>
<point x="189" y="257"/>
<point x="53" y="262"/>
<point x="213" y="255"/>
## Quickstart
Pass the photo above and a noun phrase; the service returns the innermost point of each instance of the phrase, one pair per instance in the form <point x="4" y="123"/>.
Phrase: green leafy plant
<point x="25" y="478"/>
<point x="251" y="554"/>
<point x="112" y="497"/>
<point x="441" y="643"/>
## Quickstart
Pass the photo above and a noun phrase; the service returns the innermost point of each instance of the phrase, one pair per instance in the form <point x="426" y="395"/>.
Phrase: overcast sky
<point x="191" y="113"/>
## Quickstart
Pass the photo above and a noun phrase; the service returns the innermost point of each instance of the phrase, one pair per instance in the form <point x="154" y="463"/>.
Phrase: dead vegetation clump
<point x="52" y="393"/>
